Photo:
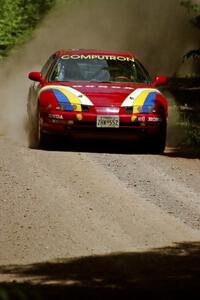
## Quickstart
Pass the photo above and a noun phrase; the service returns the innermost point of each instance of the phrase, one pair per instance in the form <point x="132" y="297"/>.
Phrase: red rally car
<point x="97" y="94"/>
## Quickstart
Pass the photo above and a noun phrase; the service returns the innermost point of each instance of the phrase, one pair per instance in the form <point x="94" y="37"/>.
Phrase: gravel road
<point x="93" y="201"/>
<point x="94" y="221"/>
<point x="74" y="202"/>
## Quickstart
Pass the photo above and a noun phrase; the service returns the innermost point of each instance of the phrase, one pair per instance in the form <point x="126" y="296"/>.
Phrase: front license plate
<point x="108" y="121"/>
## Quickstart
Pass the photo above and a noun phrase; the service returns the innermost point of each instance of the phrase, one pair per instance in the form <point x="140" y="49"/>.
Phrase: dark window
<point x="98" y="70"/>
<point x="47" y="65"/>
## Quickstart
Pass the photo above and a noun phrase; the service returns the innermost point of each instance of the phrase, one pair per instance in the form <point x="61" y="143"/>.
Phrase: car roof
<point x="93" y="52"/>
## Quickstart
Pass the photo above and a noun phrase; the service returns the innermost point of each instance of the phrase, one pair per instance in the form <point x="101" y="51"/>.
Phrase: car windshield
<point x="108" y="69"/>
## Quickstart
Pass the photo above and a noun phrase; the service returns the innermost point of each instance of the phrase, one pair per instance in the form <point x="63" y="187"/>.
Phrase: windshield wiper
<point x="100" y="81"/>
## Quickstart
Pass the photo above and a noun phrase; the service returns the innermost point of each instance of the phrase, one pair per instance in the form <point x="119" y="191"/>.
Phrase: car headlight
<point x="73" y="107"/>
<point x="140" y="109"/>
<point x="67" y="107"/>
<point x="129" y="109"/>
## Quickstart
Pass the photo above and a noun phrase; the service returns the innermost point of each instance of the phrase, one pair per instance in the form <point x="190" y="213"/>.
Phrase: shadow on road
<point x="164" y="273"/>
<point x="96" y="146"/>
<point x="181" y="152"/>
<point x="114" y="147"/>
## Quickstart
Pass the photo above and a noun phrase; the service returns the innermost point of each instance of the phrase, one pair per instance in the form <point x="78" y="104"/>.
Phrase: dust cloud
<point x="156" y="31"/>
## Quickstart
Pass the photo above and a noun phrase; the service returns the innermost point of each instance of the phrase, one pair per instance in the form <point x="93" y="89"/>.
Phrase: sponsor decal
<point x="116" y="87"/>
<point x="104" y="86"/>
<point x="138" y="119"/>
<point x="70" y="122"/>
<point x="128" y="88"/>
<point x="55" y="116"/>
<point x="79" y="117"/>
<point x="133" y="118"/>
<point x="154" y="119"/>
<point x="141" y="119"/>
<point x="100" y="57"/>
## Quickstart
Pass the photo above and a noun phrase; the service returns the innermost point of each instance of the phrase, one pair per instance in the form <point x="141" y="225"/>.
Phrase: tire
<point x="37" y="138"/>
<point x="156" y="145"/>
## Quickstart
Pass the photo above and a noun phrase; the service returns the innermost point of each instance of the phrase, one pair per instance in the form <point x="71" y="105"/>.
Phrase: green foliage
<point x="17" y="20"/>
<point x="191" y="127"/>
<point x="194" y="11"/>
<point x="195" y="54"/>
<point x="190" y="121"/>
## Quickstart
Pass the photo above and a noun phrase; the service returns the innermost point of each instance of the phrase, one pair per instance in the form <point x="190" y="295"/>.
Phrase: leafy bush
<point x="191" y="127"/>
<point x="17" y="20"/>
<point x="194" y="11"/>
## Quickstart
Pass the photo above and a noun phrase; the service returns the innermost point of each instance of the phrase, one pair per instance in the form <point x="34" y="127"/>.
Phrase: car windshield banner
<point x="100" y="57"/>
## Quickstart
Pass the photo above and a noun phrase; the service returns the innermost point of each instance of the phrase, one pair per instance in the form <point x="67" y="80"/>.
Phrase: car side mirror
<point x="160" y="80"/>
<point x="36" y="76"/>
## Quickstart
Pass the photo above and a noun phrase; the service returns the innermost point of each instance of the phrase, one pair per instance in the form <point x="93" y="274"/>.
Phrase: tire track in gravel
<point x="171" y="183"/>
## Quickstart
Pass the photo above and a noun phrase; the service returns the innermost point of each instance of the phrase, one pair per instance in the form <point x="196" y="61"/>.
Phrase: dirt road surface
<point x="84" y="203"/>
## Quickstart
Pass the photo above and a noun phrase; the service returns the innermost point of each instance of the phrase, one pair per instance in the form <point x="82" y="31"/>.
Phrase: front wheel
<point x="156" y="145"/>
<point x="159" y="145"/>
<point x="37" y="138"/>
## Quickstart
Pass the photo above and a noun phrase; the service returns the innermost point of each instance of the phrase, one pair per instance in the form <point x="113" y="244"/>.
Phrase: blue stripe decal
<point x="150" y="101"/>
<point x="63" y="99"/>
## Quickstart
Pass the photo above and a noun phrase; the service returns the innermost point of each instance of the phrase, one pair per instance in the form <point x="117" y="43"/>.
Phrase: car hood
<point x="103" y="94"/>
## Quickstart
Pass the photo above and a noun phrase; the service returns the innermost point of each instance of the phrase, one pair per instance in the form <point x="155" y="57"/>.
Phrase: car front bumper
<point x="85" y="125"/>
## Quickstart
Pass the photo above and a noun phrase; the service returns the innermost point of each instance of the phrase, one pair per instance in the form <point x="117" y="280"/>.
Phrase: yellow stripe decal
<point x="75" y="97"/>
